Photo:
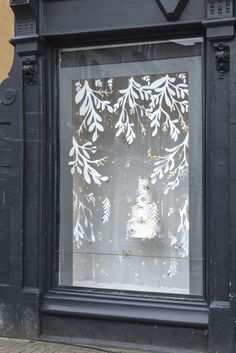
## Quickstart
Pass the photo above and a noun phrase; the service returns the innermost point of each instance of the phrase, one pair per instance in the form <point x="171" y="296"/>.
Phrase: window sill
<point x="105" y="306"/>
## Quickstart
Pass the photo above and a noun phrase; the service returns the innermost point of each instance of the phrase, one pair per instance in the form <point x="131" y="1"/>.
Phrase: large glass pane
<point x="131" y="167"/>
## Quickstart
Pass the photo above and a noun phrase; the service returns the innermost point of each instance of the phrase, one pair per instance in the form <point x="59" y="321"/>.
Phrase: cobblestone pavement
<point x="25" y="346"/>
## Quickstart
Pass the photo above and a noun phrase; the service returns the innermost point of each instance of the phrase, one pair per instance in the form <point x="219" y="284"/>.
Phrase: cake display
<point x="143" y="224"/>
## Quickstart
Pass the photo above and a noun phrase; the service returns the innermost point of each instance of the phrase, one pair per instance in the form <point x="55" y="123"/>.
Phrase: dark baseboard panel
<point x="122" y="335"/>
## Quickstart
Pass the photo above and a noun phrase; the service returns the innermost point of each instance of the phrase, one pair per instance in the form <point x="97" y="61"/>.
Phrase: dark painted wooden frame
<point x="30" y="304"/>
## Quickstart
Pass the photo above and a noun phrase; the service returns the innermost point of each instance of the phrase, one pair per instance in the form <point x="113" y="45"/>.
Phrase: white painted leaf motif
<point x="83" y="227"/>
<point x="175" y="163"/>
<point x="110" y="84"/>
<point x="98" y="83"/>
<point x="90" y="102"/>
<point x="155" y="213"/>
<point x="183" y="228"/>
<point x="146" y="79"/>
<point x="173" y="268"/>
<point x="82" y="158"/>
<point x="129" y="103"/>
<point x="166" y="98"/>
<point x="90" y="198"/>
<point x="106" y="210"/>
<point x="180" y="242"/>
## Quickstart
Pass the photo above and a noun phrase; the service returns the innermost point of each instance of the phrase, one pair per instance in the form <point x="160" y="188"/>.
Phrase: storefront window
<point x="130" y="168"/>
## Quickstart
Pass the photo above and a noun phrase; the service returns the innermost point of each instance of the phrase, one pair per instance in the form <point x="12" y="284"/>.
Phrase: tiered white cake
<point x="142" y="223"/>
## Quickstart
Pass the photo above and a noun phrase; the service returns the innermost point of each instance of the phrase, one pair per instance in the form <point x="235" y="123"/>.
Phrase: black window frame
<point x="105" y="304"/>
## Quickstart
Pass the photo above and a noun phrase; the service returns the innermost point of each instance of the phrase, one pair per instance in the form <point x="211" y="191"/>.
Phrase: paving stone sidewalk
<point x="9" y="345"/>
<point x="25" y="346"/>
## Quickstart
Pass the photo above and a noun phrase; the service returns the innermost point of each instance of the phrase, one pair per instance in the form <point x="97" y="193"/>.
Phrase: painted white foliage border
<point x="159" y="99"/>
<point x="91" y="104"/>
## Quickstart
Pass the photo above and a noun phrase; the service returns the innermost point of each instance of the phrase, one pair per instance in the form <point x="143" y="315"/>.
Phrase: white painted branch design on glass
<point x="156" y="101"/>
<point x="128" y="105"/>
<point x="90" y="102"/>
<point x="180" y="243"/>
<point x="160" y="105"/>
<point x="168" y="97"/>
<point x="83" y="228"/>
<point x="106" y="210"/>
<point x="183" y="228"/>
<point x="83" y="164"/>
<point x="174" y="163"/>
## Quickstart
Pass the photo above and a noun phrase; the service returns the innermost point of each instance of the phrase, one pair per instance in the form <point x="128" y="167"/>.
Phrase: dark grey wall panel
<point x="80" y="16"/>
<point x="120" y="334"/>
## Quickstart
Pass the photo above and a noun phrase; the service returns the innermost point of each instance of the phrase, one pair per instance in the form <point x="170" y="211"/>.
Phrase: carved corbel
<point x="222" y="55"/>
<point x="30" y="70"/>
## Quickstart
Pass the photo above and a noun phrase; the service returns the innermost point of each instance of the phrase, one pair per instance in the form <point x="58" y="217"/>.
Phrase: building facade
<point x="117" y="213"/>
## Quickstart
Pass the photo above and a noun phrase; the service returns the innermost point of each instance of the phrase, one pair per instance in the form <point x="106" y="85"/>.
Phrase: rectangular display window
<point x="130" y="168"/>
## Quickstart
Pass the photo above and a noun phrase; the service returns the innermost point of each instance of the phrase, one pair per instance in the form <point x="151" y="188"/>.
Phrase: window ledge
<point x="91" y="305"/>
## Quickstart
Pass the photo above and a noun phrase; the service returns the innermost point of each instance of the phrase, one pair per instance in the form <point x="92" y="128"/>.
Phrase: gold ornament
<point x="151" y="156"/>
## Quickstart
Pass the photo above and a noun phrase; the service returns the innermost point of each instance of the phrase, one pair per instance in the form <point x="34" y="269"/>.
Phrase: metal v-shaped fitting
<point x="172" y="9"/>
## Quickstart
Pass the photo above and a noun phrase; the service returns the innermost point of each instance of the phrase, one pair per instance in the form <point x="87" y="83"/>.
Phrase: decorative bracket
<point x="30" y="70"/>
<point x="219" y="9"/>
<point x="25" y="12"/>
<point x="220" y="23"/>
<point x="222" y="55"/>
<point x="172" y="9"/>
